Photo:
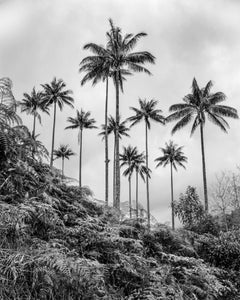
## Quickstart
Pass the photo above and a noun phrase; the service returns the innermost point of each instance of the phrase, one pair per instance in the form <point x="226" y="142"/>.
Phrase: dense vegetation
<point x="56" y="243"/>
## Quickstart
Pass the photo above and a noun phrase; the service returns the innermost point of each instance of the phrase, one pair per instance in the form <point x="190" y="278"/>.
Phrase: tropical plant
<point x="127" y="158"/>
<point x="197" y="105"/>
<point x="173" y="155"/>
<point x="8" y="115"/>
<point x="122" y="131"/>
<point x="80" y="122"/>
<point x="6" y="94"/>
<point x="63" y="152"/>
<point x="32" y="104"/>
<point x="147" y="112"/>
<point x="139" y="165"/>
<point x="120" y="49"/>
<point x="98" y="68"/>
<point x="56" y="94"/>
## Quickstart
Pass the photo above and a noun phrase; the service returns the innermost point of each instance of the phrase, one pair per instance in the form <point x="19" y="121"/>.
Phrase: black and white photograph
<point x="119" y="150"/>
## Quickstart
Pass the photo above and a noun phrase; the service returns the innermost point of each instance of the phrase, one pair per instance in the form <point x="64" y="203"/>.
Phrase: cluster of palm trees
<point x="116" y="61"/>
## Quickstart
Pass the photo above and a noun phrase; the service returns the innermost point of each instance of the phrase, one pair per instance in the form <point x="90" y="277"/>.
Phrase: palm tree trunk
<point x="53" y="134"/>
<point x="33" y="133"/>
<point x="147" y="182"/>
<point x="80" y="159"/>
<point x="137" y="195"/>
<point x="117" y="196"/>
<point x="172" y="201"/>
<point x="204" y="170"/>
<point x="106" y="145"/>
<point x="34" y="126"/>
<point x="62" y="167"/>
<point x="114" y="171"/>
<point x="130" y="197"/>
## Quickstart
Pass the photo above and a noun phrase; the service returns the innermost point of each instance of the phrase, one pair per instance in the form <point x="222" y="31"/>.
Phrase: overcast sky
<point x="43" y="39"/>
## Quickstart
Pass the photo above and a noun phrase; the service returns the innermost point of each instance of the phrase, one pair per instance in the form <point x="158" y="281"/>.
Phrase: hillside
<point x="58" y="244"/>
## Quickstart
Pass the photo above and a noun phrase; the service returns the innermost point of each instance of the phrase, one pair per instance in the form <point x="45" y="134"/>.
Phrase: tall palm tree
<point x="80" y="122"/>
<point x="139" y="165"/>
<point x="147" y="112"/>
<point x="98" y="68"/>
<point x="197" y="105"/>
<point x="56" y="94"/>
<point x="129" y="155"/>
<point x="32" y="104"/>
<point x="173" y="155"/>
<point x="63" y="152"/>
<point x="121" y="55"/>
<point x="122" y="131"/>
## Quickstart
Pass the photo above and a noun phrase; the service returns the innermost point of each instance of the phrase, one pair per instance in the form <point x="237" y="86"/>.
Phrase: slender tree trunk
<point x="130" y="197"/>
<point x="204" y="170"/>
<point x="34" y="126"/>
<point x="147" y="181"/>
<point x="62" y="167"/>
<point x="80" y="159"/>
<point x="114" y="171"/>
<point x="137" y="195"/>
<point x="117" y="196"/>
<point x="33" y="133"/>
<point x="172" y="200"/>
<point x="53" y="134"/>
<point x="106" y="145"/>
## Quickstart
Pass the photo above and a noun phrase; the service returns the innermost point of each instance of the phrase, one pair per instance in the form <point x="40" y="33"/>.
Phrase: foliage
<point x="191" y="213"/>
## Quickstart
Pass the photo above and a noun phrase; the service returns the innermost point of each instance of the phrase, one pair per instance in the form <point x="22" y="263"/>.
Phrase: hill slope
<point x="55" y="243"/>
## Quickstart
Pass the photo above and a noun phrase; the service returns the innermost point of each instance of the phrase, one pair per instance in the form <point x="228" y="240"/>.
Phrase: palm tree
<point x="197" y="105"/>
<point x="129" y="155"/>
<point x="97" y="68"/>
<point x="63" y="152"/>
<point x="31" y="104"/>
<point x="147" y="112"/>
<point x="56" y="94"/>
<point x="173" y="155"/>
<point x="81" y="121"/>
<point x="121" y="55"/>
<point x="140" y="169"/>
<point x="122" y="131"/>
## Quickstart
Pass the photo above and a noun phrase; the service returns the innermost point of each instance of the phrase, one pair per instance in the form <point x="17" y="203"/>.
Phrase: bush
<point x="220" y="251"/>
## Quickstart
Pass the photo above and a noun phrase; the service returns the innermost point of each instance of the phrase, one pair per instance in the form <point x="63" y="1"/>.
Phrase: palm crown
<point x="81" y="121"/>
<point x="171" y="154"/>
<point x="120" y="50"/>
<point x="63" y="152"/>
<point x="31" y="103"/>
<point x="199" y="104"/>
<point x="55" y="92"/>
<point x="129" y="155"/>
<point x="112" y="125"/>
<point x="146" y="112"/>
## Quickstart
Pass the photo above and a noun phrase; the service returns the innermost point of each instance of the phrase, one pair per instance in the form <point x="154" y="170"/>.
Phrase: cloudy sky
<point x="43" y="39"/>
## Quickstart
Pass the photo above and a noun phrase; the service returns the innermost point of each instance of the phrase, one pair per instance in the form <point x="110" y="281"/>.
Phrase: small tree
<point x="192" y="214"/>
<point x="189" y="209"/>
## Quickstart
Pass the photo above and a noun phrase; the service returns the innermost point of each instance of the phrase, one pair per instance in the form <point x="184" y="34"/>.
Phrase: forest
<point x="58" y="242"/>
